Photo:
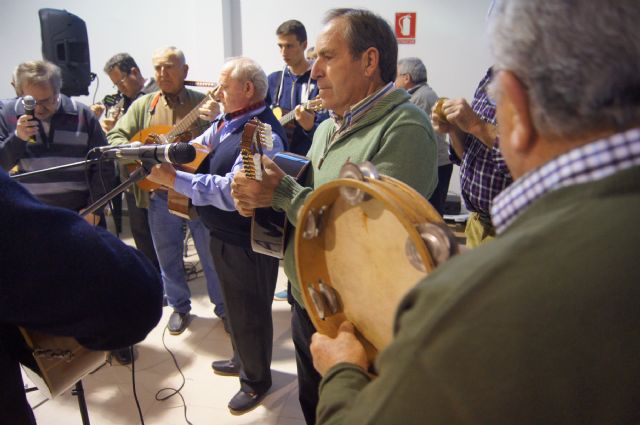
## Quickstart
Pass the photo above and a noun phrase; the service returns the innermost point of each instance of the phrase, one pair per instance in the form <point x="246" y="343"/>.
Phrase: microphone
<point x="173" y="153"/>
<point x="29" y="104"/>
<point x="110" y="147"/>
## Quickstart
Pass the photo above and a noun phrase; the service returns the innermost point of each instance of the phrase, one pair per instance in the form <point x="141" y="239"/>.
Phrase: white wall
<point x="450" y="35"/>
<point x="135" y="27"/>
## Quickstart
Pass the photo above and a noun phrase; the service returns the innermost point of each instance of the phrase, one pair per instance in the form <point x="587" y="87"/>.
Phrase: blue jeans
<point x="168" y="238"/>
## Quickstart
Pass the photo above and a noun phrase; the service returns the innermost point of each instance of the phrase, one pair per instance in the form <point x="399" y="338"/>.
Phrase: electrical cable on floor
<point x="133" y="383"/>
<point x="174" y="391"/>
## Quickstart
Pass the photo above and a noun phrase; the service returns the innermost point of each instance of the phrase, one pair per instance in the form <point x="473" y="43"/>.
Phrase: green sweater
<point x="540" y="326"/>
<point x="394" y="135"/>
<point x="137" y="118"/>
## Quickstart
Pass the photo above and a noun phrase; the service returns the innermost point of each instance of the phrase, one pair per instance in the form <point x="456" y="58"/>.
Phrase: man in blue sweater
<point x="64" y="277"/>
<point x="292" y="87"/>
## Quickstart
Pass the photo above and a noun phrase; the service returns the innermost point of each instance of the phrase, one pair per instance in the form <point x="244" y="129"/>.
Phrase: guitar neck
<point x="287" y="118"/>
<point x="186" y="122"/>
<point x="311" y="105"/>
<point x="200" y="83"/>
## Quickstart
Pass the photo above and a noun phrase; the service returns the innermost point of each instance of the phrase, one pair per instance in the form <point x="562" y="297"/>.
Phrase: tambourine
<point x="438" y="109"/>
<point x="362" y="242"/>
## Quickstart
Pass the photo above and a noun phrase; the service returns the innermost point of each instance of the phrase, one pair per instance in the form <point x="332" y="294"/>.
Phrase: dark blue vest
<point x="229" y="226"/>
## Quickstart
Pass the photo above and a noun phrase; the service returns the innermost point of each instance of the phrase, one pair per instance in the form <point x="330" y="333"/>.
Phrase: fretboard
<point x="186" y="122"/>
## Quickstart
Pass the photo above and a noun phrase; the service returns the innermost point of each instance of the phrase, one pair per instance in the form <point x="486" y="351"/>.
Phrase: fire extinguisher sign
<point x="406" y="27"/>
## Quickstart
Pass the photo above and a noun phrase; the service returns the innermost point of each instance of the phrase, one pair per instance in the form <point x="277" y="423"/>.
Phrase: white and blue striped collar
<point x="357" y="111"/>
<point x="588" y="163"/>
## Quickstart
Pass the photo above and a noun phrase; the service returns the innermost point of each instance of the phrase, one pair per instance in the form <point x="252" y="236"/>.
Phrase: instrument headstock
<point x="111" y="100"/>
<point x="314" y="105"/>
<point x="256" y="135"/>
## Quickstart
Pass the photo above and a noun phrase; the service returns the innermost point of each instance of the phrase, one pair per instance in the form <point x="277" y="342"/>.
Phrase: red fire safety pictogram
<point x="406" y="27"/>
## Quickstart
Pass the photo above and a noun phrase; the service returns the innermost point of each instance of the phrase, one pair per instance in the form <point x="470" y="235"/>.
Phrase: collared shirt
<point x="588" y="163"/>
<point x="172" y="108"/>
<point x="357" y="111"/>
<point x="483" y="172"/>
<point x="208" y="189"/>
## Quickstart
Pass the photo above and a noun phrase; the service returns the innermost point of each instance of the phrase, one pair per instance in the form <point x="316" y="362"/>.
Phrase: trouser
<point x="308" y="377"/>
<point x="139" y="223"/>
<point x="478" y="230"/>
<point x="168" y="240"/>
<point x="439" y="196"/>
<point x="248" y="282"/>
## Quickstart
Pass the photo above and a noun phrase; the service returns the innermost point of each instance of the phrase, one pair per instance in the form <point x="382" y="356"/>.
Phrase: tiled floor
<point x="109" y="391"/>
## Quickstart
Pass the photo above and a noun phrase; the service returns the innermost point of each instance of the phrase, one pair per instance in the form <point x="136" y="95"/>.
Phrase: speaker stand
<point x="78" y="391"/>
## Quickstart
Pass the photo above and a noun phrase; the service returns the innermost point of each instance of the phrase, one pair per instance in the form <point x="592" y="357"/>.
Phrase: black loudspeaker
<point x="65" y="43"/>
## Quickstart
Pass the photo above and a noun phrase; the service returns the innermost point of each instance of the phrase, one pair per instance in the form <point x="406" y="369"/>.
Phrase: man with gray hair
<point x="247" y="279"/>
<point x="540" y="325"/>
<point x="412" y="76"/>
<point x="58" y="132"/>
<point x="166" y="108"/>
<point x="371" y="120"/>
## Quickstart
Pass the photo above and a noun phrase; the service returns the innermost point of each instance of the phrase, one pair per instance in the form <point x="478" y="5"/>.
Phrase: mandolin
<point x="269" y="228"/>
<point x="161" y="134"/>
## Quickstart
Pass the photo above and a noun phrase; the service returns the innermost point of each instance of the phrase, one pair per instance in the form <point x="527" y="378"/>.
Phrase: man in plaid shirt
<point x="474" y="147"/>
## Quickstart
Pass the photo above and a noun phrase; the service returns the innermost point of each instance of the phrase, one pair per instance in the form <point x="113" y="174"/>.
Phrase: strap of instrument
<point x="154" y="102"/>
<point x="277" y="102"/>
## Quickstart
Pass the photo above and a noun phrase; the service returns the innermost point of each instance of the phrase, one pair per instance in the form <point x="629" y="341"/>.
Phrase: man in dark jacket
<point x="64" y="277"/>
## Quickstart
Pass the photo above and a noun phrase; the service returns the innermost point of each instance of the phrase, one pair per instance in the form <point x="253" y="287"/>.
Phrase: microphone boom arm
<point x="136" y="176"/>
<point x="52" y="169"/>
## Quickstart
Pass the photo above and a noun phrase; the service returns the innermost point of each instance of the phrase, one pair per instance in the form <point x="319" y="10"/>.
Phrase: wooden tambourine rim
<point x="310" y="253"/>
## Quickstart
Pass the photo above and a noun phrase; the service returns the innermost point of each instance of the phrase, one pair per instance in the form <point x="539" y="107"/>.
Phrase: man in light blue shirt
<point x="247" y="279"/>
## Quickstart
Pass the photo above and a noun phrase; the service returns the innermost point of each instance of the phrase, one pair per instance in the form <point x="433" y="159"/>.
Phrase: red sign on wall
<point x="406" y="27"/>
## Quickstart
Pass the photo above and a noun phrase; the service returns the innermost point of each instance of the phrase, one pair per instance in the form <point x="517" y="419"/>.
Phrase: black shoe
<point x="122" y="355"/>
<point x="178" y="322"/>
<point x="243" y="402"/>
<point x="225" y="368"/>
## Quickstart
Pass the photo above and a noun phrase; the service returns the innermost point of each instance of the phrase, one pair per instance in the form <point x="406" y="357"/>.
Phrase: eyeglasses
<point x="50" y="101"/>
<point x="117" y="84"/>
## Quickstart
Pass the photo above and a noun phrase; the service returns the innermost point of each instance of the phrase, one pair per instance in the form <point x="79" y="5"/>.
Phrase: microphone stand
<point x="52" y="169"/>
<point x="134" y="177"/>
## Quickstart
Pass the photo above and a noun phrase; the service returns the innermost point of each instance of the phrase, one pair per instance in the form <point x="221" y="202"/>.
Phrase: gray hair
<point x="365" y="29"/>
<point x="37" y="72"/>
<point x="246" y="69"/>
<point x="580" y="61"/>
<point x="415" y="68"/>
<point x="171" y="51"/>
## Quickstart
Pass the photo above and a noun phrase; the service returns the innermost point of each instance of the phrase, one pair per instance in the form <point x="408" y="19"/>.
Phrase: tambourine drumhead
<point x="360" y="252"/>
